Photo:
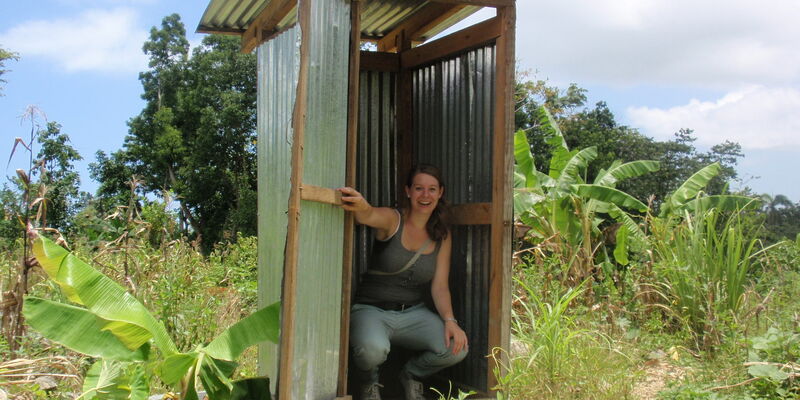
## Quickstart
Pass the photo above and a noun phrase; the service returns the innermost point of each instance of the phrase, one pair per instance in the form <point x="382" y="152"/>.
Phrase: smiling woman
<point x="389" y="307"/>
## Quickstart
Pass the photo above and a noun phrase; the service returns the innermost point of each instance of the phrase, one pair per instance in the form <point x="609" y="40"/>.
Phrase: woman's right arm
<point x="383" y="219"/>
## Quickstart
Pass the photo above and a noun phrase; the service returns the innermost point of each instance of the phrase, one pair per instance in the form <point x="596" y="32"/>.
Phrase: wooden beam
<point x="471" y="214"/>
<point x="349" y="180"/>
<point x="291" y="257"/>
<point x="474" y="36"/>
<point x="379" y="61"/>
<point x="263" y="26"/>
<point x="405" y="121"/>
<point x="502" y="210"/>
<point x="417" y="25"/>
<point x="483" y="3"/>
<point x="320" y="195"/>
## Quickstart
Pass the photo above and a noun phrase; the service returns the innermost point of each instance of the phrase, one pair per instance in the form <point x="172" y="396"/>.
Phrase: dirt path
<point x="657" y="374"/>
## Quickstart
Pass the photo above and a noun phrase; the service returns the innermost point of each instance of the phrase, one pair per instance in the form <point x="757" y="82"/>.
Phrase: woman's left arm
<point x="440" y="291"/>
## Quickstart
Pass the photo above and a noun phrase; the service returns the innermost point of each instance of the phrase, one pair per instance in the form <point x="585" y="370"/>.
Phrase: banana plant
<point x="690" y="197"/>
<point x="561" y="204"/>
<point x="107" y="322"/>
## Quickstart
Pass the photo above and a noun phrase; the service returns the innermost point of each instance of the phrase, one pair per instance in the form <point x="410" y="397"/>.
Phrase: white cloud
<point x="757" y="117"/>
<point x="95" y="40"/>
<point x="661" y="42"/>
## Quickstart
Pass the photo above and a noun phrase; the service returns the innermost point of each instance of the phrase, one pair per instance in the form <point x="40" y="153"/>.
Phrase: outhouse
<point x="354" y="93"/>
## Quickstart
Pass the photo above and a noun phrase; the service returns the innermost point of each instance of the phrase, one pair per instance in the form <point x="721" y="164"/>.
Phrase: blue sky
<point x="729" y="70"/>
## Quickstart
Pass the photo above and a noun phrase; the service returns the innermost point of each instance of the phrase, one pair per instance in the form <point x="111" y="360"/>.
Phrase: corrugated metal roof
<point x="378" y="17"/>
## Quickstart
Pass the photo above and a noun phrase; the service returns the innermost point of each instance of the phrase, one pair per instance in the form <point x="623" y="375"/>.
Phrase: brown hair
<point x="437" y="226"/>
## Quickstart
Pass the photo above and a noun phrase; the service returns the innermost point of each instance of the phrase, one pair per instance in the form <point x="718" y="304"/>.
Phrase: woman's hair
<point x="437" y="226"/>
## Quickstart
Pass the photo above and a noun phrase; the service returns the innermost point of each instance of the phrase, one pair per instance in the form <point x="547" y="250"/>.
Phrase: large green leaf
<point x="610" y="195"/>
<point x="622" y="217"/>
<point x="621" y="249"/>
<point x="215" y="376"/>
<point x="176" y="366"/>
<point x="251" y="389"/>
<point x="618" y="172"/>
<point x="522" y="154"/>
<point x="722" y="203"/>
<point x="114" y="380"/>
<point x="122" y="313"/>
<point x="577" y="163"/>
<point x="690" y="188"/>
<point x="77" y="329"/>
<point x="553" y="136"/>
<point x="261" y="326"/>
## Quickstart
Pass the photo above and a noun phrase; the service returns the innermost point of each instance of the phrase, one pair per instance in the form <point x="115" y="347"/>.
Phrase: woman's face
<point x="424" y="193"/>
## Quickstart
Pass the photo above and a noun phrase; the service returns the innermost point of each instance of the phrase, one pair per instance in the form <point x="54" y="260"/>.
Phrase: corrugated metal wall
<point x="453" y="117"/>
<point x="319" y="275"/>
<point x="278" y="68"/>
<point x="377" y="153"/>
<point x="319" y="278"/>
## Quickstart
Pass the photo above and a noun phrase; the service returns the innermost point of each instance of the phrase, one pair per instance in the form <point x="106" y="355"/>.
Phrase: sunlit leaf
<point x="77" y="329"/>
<point x="261" y="326"/>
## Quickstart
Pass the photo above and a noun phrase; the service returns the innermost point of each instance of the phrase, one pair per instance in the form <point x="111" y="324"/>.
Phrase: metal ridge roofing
<point x="378" y="17"/>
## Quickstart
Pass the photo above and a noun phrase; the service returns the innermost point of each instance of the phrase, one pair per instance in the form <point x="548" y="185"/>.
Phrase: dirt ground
<point x="657" y="373"/>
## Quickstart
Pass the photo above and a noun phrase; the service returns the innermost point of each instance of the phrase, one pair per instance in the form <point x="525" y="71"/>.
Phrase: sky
<point x="728" y="70"/>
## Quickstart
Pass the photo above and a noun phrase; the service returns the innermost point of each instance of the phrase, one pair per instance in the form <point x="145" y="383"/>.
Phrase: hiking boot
<point x="371" y="391"/>
<point x="412" y="387"/>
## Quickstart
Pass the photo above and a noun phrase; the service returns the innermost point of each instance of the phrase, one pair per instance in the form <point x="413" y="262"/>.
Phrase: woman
<point x="411" y="255"/>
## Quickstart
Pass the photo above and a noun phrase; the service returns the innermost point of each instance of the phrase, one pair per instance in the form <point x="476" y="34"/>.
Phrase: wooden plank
<point x="320" y="195"/>
<point x="379" y="61"/>
<point x="502" y="210"/>
<point x="263" y="26"/>
<point x="405" y="122"/>
<point x="483" y="3"/>
<point x="418" y="24"/>
<point x="471" y="214"/>
<point x="349" y="180"/>
<point x="474" y="36"/>
<point x="289" y="290"/>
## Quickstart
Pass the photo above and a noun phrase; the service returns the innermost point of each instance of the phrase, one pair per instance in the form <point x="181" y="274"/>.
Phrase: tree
<point x="195" y="136"/>
<point x="4" y="56"/>
<point x="61" y="181"/>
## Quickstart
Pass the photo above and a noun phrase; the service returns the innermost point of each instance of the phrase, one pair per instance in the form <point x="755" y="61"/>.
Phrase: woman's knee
<point x="368" y="354"/>
<point x="449" y="358"/>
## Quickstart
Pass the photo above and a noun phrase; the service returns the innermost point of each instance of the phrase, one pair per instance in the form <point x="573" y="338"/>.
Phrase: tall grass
<point x="702" y="263"/>
<point x="555" y="356"/>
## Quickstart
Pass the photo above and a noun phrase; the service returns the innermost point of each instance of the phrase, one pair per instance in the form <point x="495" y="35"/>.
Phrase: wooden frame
<point x="483" y="3"/>
<point x="415" y="27"/>
<point x="502" y="173"/>
<point x="379" y="61"/>
<point x="264" y="25"/>
<point x="350" y="180"/>
<point x="289" y="290"/>
<point x="474" y="36"/>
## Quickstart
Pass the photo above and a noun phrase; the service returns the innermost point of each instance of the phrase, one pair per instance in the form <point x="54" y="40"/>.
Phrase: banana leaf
<point x="115" y="380"/>
<point x="121" y="313"/>
<point x="522" y="154"/>
<point x="690" y="188"/>
<point x="175" y="367"/>
<point x="618" y="171"/>
<point x="570" y="172"/>
<point x="610" y="195"/>
<point x="251" y="389"/>
<point x="77" y="329"/>
<point x="722" y="203"/>
<point x="553" y="136"/>
<point x="261" y="326"/>
<point x="621" y="249"/>
<point x="622" y="217"/>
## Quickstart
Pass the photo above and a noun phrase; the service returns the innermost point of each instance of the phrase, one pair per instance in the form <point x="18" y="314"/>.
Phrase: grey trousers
<point x="373" y="331"/>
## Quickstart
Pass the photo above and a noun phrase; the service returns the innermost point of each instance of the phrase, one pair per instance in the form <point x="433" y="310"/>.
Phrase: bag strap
<point x="408" y="264"/>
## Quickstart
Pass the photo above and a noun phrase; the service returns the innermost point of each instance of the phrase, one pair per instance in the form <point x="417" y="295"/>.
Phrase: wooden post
<point x="289" y="291"/>
<point x="405" y="118"/>
<point x="350" y="180"/>
<point x="502" y="169"/>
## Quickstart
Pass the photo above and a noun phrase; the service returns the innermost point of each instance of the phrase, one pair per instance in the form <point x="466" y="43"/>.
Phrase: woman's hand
<point x="454" y="332"/>
<point x="353" y="201"/>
